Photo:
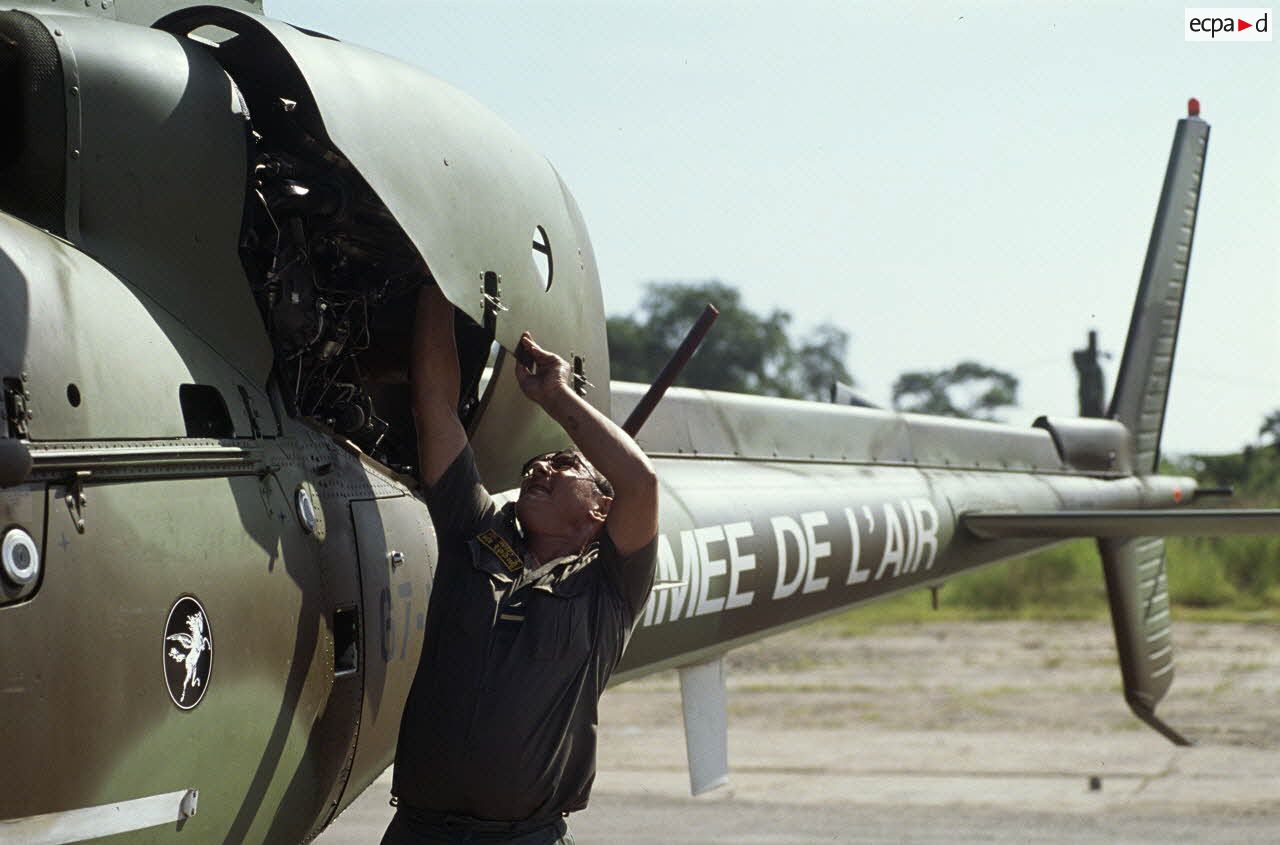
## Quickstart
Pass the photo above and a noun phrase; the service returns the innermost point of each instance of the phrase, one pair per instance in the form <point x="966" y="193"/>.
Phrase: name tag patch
<point x="501" y="549"/>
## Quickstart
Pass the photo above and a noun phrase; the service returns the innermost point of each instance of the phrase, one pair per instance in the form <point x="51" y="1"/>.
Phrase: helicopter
<point x="216" y="562"/>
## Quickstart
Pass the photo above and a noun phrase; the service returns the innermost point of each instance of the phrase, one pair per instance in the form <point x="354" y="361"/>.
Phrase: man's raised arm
<point x="435" y="385"/>
<point x="632" y="520"/>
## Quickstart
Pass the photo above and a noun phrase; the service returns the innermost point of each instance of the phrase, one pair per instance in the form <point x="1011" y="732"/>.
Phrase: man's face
<point x="559" y="495"/>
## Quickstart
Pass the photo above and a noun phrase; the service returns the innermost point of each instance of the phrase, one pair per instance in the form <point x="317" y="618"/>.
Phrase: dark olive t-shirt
<point x="500" y="722"/>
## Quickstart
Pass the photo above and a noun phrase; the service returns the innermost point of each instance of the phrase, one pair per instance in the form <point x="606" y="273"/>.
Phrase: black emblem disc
<point x="188" y="652"/>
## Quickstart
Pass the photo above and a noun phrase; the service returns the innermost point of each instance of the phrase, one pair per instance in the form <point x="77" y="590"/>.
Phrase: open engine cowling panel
<point x="320" y="185"/>
<point x="390" y="176"/>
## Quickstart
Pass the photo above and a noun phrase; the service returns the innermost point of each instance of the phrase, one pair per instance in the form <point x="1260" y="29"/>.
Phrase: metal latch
<point x="76" y="500"/>
<point x="189" y="805"/>
<point x="491" y="297"/>
<point x="580" y="383"/>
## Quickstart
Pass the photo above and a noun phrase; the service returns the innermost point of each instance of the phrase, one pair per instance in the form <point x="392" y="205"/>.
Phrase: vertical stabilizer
<point x="1138" y="591"/>
<point x="1137" y="586"/>
<point x="1142" y="386"/>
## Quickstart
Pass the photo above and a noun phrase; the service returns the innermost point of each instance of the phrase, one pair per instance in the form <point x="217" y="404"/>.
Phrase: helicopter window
<point x="542" y="257"/>
<point x="204" y="411"/>
<point x="73" y="395"/>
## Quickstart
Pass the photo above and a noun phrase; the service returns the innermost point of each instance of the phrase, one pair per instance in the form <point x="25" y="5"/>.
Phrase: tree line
<point x="755" y="353"/>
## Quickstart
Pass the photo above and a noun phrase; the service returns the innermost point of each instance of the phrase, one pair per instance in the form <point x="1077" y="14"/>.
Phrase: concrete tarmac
<point x="1026" y="759"/>
<point x="857" y="786"/>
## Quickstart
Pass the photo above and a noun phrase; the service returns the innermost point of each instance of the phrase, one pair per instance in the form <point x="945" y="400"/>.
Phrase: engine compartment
<point x="336" y="281"/>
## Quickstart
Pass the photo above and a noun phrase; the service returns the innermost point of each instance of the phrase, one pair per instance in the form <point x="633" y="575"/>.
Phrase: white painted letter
<point x="811" y="520"/>
<point x="910" y="556"/>
<point x="783" y="526"/>
<point x="892" y="543"/>
<point x="689" y="554"/>
<point x="738" y="563"/>
<point x="656" y="607"/>
<point x="856" y="575"/>
<point x="711" y="568"/>
<point x="927" y="526"/>
<point x="687" y="576"/>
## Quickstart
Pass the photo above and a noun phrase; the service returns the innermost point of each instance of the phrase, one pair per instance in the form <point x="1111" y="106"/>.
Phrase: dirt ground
<point x="1001" y="732"/>
<point x="984" y="676"/>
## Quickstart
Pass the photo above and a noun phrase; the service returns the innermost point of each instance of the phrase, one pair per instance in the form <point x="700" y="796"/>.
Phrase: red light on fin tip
<point x="1193" y="107"/>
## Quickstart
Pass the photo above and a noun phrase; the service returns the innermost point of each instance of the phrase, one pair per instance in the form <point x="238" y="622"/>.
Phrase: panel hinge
<point x="251" y="410"/>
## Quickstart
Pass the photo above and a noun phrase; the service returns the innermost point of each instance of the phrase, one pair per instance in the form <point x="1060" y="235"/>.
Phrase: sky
<point x="944" y="181"/>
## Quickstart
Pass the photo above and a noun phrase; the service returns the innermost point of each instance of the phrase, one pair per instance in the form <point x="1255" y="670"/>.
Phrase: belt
<point x="456" y="822"/>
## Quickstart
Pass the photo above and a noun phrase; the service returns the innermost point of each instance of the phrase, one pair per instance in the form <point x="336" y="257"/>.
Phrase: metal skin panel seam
<point x="63" y="292"/>
<point x="709" y="423"/>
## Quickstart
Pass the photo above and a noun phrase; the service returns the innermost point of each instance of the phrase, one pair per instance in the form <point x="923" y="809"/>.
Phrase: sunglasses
<point x="569" y="463"/>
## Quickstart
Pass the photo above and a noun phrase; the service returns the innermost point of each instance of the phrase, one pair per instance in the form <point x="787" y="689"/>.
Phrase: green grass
<point x="1238" y="575"/>
<point x="1210" y="580"/>
<point x="907" y="608"/>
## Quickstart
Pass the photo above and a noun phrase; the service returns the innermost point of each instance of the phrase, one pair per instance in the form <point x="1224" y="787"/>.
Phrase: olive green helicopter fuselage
<point x="217" y="562"/>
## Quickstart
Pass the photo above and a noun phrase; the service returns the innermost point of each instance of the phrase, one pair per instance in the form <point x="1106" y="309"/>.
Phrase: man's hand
<point x="549" y="377"/>
<point x="633" y="516"/>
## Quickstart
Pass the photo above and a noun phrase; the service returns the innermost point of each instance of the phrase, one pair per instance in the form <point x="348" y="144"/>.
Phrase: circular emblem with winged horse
<point x="188" y="652"/>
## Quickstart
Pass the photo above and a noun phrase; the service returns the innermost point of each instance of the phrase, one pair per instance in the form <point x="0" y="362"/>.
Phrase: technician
<point x="532" y="606"/>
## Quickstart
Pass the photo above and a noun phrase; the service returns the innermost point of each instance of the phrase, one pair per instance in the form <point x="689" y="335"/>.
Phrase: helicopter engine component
<point x="330" y="270"/>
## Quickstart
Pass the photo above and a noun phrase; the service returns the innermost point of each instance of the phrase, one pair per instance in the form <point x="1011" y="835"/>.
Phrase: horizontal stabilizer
<point x="706" y="724"/>
<point x="1120" y="523"/>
